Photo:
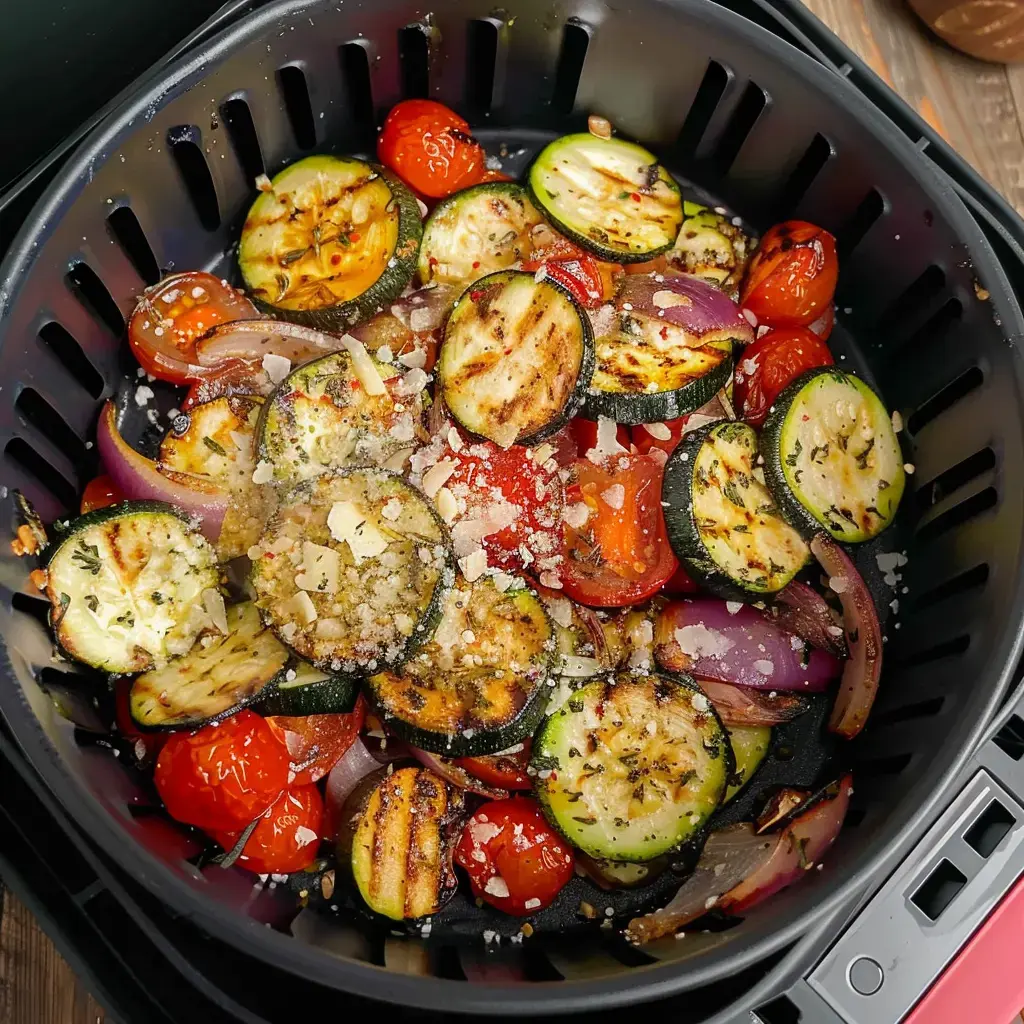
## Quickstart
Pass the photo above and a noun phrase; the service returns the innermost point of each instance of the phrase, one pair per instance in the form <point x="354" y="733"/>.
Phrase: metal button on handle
<point x="866" y="976"/>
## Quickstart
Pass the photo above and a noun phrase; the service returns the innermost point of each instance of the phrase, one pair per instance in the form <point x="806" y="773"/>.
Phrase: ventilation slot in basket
<point x="907" y="713"/>
<point x="968" y="509"/>
<point x="961" y="584"/>
<point x="709" y="95"/>
<point x="69" y="353"/>
<point x="947" y="649"/>
<point x="184" y="141"/>
<point x="414" y="59"/>
<point x="741" y="124"/>
<point x="37" y="608"/>
<point x="1010" y="738"/>
<point x="355" y="71"/>
<point x="38" y="411"/>
<point x="945" y="399"/>
<point x="92" y="293"/>
<point x="575" y="40"/>
<point x="952" y="479"/>
<point x="242" y="131"/>
<point x="127" y="230"/>
<point x="292" y="82"/>
<point x="779" y="1011"/>
<point x="891" y="764"/>
<point x="872" y="207"/>
<point x="912" y="303"/>
<point x="811" y="164"/>
<point x="35" y="466"/>
<point x="481" y="63"/>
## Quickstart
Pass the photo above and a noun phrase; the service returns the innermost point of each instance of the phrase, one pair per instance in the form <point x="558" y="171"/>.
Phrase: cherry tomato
<point x="645" y="440"/>
<point x="222" y="776"/>
<point x="509" y="486"/>
<point x="490" y="175"/>
<point x="430" y="147"/>
<point x="100" y="492"/>
<point x="620" y="554"/>
<point x="767" y="365"/>
<point x="792" y="277"/>
<point x="575" y="270"/>
<point x="680" y="583"/>
<point x="287" y="837"/>
<point x="822" y="327"/>
<point x="514" y="859"/>
<point x="233" y="378"/>
<point x="584" y="433"/>
<point x="172" y="315"/>
<point x="505" y="771"/>
<point x="316" y="743"/>
<point x="147" y="744"/>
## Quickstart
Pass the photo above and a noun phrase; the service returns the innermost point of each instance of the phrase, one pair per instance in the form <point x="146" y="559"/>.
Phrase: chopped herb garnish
<point x="576" y="704"/>
<point x="573" y="752"/>
<point x="795" y="454"/>
<point x="128" y="619"/>
<point x="729" y="490"/>
<point x="92" y="602"/>
<point x="862" y="458"/>
<point x="585" y="821"/>
<point x="156" y="597"/>
<point x="88" y="557"/>
<point x="545" y="763"/>
<point x="214" y="446"/>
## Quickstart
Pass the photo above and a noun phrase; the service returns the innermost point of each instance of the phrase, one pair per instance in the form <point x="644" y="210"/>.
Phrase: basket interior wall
<point x="172" y="183"/>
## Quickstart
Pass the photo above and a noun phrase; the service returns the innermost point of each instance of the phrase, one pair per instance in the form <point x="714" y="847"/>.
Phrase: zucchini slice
<point x="306" y="690"/>
<point x="126" y="586"/>
<point x="221" y="674"/>
<point x="581" y="647"/>
<point x="352" y="570"/>
<point x="331" y="413"/>
<point x="331" y="242"/>
<point x="516" y="360"/>
<point x="831" y="457"/>
<point x="398" y="835"/>
<point x="631" y="768"/>
<point x="711" y="247"/>
<point x="750" y="745"/>
<point x="608" y="195"/>
<point x="480" y="685"/>
<point x="475" y="232"/>
<point x="647" y="371"/>
<point x="722" y="521"/>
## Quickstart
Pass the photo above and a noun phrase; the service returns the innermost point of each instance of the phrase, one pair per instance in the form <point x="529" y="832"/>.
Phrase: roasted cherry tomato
<point x="233" y="378"/>
<point x="100" y="492"/>
<point x="645" y="439"/>
<point x="615" y="548"/>
<point x="792" y="277"/>
<point x="222" y="776"/>
<point x="767" y="365"/>
<point x="575" y="270"/>
<point x="505" y="771"/>
<point x="172" y="315"/>
<point x="680" y="583"/>
<point x="514" y="859"/>
<point x="822" y="327"/>
<point x="147" y="744"/>
<point x="316" y="743"/>
<point x="584" y="433"/>
<point x="430" y="147"/>
<point x="489" y="175"/>
<point x="521" y="498"/>
<point x="287" y="837"/>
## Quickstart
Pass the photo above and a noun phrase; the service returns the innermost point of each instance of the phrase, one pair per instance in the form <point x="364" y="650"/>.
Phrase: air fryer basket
<point x="924" y="310"/>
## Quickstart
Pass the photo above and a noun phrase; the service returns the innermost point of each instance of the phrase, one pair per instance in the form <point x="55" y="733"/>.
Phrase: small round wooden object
<point x="989" y="29"/>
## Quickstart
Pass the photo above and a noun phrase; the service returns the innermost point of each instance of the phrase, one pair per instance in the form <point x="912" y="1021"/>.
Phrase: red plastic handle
<point x="985" y="983"/>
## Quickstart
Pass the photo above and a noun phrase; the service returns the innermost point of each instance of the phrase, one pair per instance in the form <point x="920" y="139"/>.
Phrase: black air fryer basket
<point x="925" y="311"/>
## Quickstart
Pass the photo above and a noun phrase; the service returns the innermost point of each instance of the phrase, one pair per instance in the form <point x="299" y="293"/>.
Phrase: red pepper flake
<point x="476" y="294"/>
<point x="354" y="236"/>
<point x="335" y="259"/>
<point x="354" y="385"/>
<point x="805" y="417"/>
<point x="269" y="554"/>
<point x="635" y="196"/>
<point x="476" y="264"/>
<point x="664" y="333"/>
<point x="432" y="260"/>
<point x="600" y="709"/>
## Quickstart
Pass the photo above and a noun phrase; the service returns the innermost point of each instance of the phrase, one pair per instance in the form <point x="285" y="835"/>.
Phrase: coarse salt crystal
<point x="391" y="510"/>
<point x="614" y="496"/>
<point x="764" y="666"/>
<point x="142" y="395"/>
<point x="414" y="360"/>
<point x="576" y="515"/>
<point x="384" y="354"/>
<point x="276" y="367"/>
<point x="473" y="565"/>
<point x="304" y="836"/>
<point x="733" y="607"/>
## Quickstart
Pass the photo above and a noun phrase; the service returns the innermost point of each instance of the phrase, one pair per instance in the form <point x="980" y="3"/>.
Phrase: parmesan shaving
<point x="276" y="367"/>
<point x="321" y="568"/>
<point x="414" y="360"/>
<point x="614" y="496"/>
<point x="576" y="515"/>
<point x="301" y="607"/>
<point x="263" y="473"/>
<point x="437" y="476"/>
<point x="363" y="366"/>
<point x="213" y="602"/>
<point x="447" y="505"/>
<point x="474" y="565"/>
<point x="348" y="525"/>
<point x="659" y="431"/>
<point x="607" y="442"/>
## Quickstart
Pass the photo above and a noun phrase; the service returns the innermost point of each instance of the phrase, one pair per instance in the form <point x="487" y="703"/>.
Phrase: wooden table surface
<point x="977" y="107"/>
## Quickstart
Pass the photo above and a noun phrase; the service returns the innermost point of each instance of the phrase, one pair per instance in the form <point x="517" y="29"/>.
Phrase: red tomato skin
<point x="222" y="776"/>
<point x="152" y="742"/>
<point x="511" y="841"/>
<point x="680" y="583"/>
<point x="100" y="492"/>
<point x="316" y="743"/>
<point x="644" y="440"/>
<point x="584" y="433"/>
<point x="430" y="147"/>
<point x="768" y="365"/>
<point x="823" y="326"/>
<point x="792" y="277"/>
<point x="277" y="846"/>
<point x="572" y="268"/>
<point x="505" y="771"/>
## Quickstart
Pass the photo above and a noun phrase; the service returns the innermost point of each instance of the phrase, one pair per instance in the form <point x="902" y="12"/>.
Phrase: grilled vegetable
<point x="608" y="195"/>
<point x="712" y="248"/>
<point x="223" y="673"/>
<point x="750" y="744"/>
<point x="516" y="360"/>
<point x="351" y="570"/>
<point x="722" y="522"/>
<point x="476" y="232"/>
<point x="620" y="874"/>
<point x="831" y="457"/>
<point x="306" y="690"/>
<point x="630" y="769"/>
<point x="332" y="241"/>
<point x="398" y="835"/>
<point x="344" y="409"/>
<point x="480" y="684"/>
<point x="126" y="584"/>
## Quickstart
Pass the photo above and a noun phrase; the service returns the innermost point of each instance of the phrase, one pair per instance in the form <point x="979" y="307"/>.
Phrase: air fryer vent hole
<point x="355" y="71"/>
<point x="921" y="344"/>
<point x="871" y="209"/>
<point x="127" y="231"/>
<point x="414" y="60"/>
<point x="38" y="411"/>
<point x="810" y="165"/>
<point x="907" y="713"/>
<point x="292" y="81"/>
<point x="741" y="123"/>
<point x="92" y="293"/>
<point x="952" y="479"/>
<point x="946" y="398"/>
<point x="184" y="141"/>
<point x="918" y="295"/>
<point x="947" y="649"/>
<point x="70" y="354"/>
<point x="242" y="131"/>
<point x="481" y="62"/>
<point x="575" y="40"/>
<point x="1009" y="739"/>
<point x="29" y="460"/>
<point x="779" y="1011"/>
<point x="961" y="584"/>
<point x="958" y="514"/>
<point x="709" y="95"/>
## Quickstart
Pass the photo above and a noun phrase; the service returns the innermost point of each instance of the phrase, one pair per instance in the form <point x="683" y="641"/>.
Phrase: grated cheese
<point x="363" y="366"/>
<point x="698" y="641"/>
<point x="659" y="431"/>
<point x="213" y="602"/>
<point x="276" y="367"/>
<point x="474" y="565"/>
<point x="348" y="525"/>
<point x="321" y="568"/>
<point x="437" y="476"/>
<point x="263" y="473"/>
<point x="614" y="496"/>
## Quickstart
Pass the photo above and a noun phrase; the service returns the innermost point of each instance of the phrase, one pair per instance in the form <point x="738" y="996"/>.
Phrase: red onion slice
<point x="456" y="775"/>
<point x="734" y="643"/>
<point x="356" y="763"/>
<point x="859" y="685"/>
<point x="743" y="705"/>
<point x="138" y="478"/>
<point x="251" y="340"/>
<point x="802" y="610"/>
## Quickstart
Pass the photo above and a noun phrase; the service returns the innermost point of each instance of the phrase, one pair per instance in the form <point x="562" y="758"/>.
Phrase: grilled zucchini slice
<point x="722" y="522"/>
<point x="475" y="232"/>
<point x="306" y="690"/>
<point x="711" y="247"/>
<point x="398" y="834"/>
<point x="126" y="586"/>
<point x="608" y="195"/>
<point x="831" y="457"/>
<point x="330" y="243"/>
<point x="221" y="674"/>
<point x="516" y="360"/>
<point x="631" y="768"/>
<point x="750" y="746"/>
<point x="352" y="570"/>
<point x="335" y="412"/>
<point x="481" y="683"/>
